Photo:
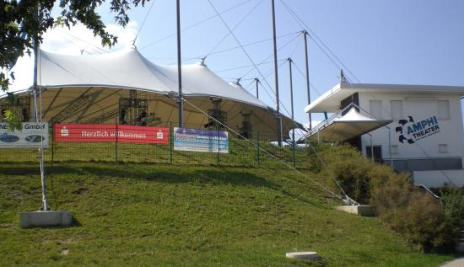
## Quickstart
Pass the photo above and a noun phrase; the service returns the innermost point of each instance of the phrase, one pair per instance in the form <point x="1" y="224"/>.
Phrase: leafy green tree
<point x="23" y="21"/>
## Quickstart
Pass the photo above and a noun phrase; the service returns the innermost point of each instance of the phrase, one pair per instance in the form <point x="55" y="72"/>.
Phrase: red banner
<point x="71" y="132"/>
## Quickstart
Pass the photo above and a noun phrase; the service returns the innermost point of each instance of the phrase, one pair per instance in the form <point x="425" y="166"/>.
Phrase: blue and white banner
<point x="31" y="136"/>
<point x="201" y="140"/>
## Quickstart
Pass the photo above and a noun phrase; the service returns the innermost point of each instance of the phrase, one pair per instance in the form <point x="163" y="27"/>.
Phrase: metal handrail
<point x="428" y="191"/>
<point x="329" y="120"/>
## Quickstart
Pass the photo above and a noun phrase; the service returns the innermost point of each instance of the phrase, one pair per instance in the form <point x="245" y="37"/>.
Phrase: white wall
<point x="419" y="106"/>
<point x="437" y="179"/>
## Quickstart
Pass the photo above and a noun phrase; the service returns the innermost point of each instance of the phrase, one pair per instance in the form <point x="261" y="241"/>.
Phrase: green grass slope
<point x="149" y="215"/>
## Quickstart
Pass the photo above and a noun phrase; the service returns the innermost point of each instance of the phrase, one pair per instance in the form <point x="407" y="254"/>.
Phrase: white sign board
<point x="31" y="136"/>
<point x="201" y="140"/>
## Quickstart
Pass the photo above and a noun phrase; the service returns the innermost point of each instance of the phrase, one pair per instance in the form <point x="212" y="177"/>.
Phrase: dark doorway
<point x="377" y="150"/>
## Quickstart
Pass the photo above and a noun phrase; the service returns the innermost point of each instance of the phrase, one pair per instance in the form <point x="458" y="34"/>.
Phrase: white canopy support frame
<point x="343" y="126"/>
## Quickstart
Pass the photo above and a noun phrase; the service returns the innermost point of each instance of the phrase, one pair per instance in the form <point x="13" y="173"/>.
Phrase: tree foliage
<point x="23" y="21"/>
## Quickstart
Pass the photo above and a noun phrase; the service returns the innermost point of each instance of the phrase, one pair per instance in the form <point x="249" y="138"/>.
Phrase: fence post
<point x="217" y="136"/>
<point x="171" y="141"/>
<point x="257" y="146"/>
<point x="52" y="142"/>
<point x="293" y="151"/>
<point x="116" y="140"/>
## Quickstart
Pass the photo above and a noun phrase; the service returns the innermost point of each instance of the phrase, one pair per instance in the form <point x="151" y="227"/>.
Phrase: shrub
<point x="418" y="217"/>
<point x="421" y="219"/>
<point x="347" y="167"/>
<point x="453" y="204"/>
<point x="391" y="194"/>
<point x="352" y="175"/>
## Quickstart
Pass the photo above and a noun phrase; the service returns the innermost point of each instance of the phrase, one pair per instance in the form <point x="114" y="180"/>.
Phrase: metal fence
<point x="257" y="151"/>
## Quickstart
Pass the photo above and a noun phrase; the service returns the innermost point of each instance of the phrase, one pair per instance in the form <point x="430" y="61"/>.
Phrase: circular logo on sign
<point x="402" y="130"/>
<point x="8" y="138"/>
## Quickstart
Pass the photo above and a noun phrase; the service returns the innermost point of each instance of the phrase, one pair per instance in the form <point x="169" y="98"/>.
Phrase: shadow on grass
<point x="162" y="174"/>
<point x="75" y="222"/>
<point x="187" y="174"/>
<point x="33" y="169"/>
<point x="182" y="174"/>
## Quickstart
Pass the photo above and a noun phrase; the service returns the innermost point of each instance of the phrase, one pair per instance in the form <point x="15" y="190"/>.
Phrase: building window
<point x="396" y="109"/>
<point x="443" y="110"/>
<point x="394" y="149"/>
<point x="374" y="153"/>
<point x="443" y="148"/>
<point x="375" y="108"/>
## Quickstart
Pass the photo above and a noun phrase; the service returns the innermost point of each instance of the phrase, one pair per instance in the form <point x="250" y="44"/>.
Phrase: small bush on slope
<point x="418" y="217"/>
<point x="453" y="200"/>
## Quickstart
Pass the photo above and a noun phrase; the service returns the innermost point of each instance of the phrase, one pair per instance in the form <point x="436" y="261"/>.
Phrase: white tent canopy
<point x="128" y="87"/>
<point x="129" y="69"/>
<point x="345" y="127"/>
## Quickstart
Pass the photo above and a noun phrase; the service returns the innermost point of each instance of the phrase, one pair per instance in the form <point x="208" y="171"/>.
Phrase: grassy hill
<point x="145" y="214"/>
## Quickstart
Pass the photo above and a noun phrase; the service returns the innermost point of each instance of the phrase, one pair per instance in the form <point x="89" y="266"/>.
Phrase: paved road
<point x="455" y="263"/>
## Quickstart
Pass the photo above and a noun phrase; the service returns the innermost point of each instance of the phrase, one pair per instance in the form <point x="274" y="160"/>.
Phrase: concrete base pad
<point x="460" y="247"/>
<point x="45" y="219"/>
<point x="306" y="255"/>
<point x="362" y="210"/>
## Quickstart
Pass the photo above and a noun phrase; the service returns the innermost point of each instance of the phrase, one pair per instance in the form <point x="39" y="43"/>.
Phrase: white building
<point x="416" y="128"/>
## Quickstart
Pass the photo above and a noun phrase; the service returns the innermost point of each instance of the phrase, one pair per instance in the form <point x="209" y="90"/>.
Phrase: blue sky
<point x="380" y="41"/>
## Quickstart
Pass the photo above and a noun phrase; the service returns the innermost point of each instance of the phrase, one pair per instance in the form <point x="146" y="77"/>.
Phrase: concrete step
<point x="45" y="219"/>
<point x="361" y="210"/>
<point x="460" y="244"/>
<point x="460" y="247"/>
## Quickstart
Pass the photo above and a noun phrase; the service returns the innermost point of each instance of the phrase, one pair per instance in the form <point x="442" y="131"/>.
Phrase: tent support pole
<point x="39" y="119"/>
<point x="257" y="87"/>
<point x="305" y="34"/>
<point x="290" y="61"/>
<point x="276" y="78"/>
<point x="180" y="99"/>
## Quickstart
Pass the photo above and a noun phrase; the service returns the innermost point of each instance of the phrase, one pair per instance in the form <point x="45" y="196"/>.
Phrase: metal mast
<point x="290" y="61"/>
<point x="257" y="87"/>
<point x="37" y="117"/>
<point x="305" y="33"/>
<point x="276" y="77"/>
<point x="180" y="97"/>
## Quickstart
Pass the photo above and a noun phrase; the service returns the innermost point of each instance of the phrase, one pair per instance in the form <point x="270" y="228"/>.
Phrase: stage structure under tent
<point x="127" y="88"/>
